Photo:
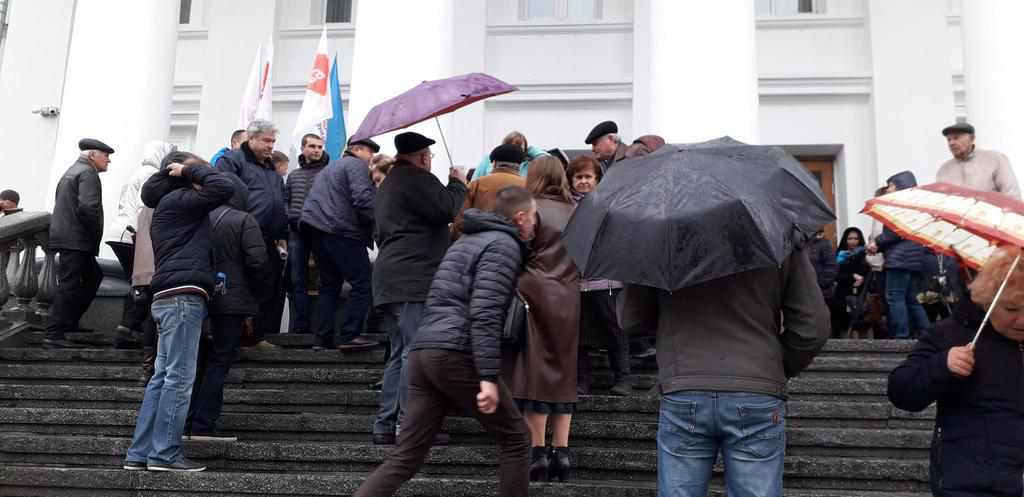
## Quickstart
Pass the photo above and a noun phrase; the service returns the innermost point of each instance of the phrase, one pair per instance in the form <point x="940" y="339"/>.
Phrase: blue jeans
<point x="403" y="320"/>
<point x="901" y="289"/>
<point x="298" y="270"/>
<point x="340" y="259"/>
<point x="750" y="429"/>
<point x="179" y="321"/>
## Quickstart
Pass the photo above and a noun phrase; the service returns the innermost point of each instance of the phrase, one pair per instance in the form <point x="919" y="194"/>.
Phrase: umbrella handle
<point x="994" y="300"/>
<point x="444" y="142"/>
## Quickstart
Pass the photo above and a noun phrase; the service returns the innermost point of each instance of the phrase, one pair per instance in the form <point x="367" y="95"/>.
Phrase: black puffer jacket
<point x="77" y="222"/>
<point x="298" y="184"/>
<point x="239" y="253"/>
<point x="978" y="442"/>
<point x="825" y="267"/>
<point x="470" y="294"/>
<point x="182" y="239"/>
<point x="899" y="252"/>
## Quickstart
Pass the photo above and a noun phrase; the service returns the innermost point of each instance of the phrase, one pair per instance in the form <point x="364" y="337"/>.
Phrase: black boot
<point x="539" y="464"/>
<point x="148" y="364"/>
<point x="559" y="464"/>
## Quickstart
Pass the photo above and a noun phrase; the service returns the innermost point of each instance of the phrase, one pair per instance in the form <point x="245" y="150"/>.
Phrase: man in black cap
<point x="505" y="164"/>
<point x="76" y="229"/>
<point x="337" y="219"/>
<point x="412" y="211"/>
<point x="604" y="141"/>
<point x="985" y="170"/>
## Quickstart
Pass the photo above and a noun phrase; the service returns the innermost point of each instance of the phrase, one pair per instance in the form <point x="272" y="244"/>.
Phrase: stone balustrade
<point x="27" y="288"/>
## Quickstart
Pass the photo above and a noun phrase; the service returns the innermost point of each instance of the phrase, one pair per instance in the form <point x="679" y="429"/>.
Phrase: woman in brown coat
<point x="544" y="370"/>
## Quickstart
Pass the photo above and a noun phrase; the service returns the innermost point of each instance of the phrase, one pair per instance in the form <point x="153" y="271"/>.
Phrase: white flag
<point x="264" y="108"/>
<point x="251" y="93"/>
<point x="316" y="105"/>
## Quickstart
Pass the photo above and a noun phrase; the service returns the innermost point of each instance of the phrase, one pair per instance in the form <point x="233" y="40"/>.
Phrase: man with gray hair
<point x="604" y="141"/>
<point x="253" y="163"/>
<point x="76" y="229"/>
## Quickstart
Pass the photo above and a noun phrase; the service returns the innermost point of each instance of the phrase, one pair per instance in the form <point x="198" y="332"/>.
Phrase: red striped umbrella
<point x="957" y="221"/>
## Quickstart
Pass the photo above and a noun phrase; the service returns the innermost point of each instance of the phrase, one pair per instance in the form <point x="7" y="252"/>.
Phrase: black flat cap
<point x="409" y="142"/>
<point x="366" y="142"/>
<point x="600" y="130"/>
<point x="94" y="144"/>
<point x="958" y="128"/>
<point x="509" y="152"/>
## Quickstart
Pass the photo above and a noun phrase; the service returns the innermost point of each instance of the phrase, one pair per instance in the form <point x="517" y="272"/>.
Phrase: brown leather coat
<point x="544" y="369"/>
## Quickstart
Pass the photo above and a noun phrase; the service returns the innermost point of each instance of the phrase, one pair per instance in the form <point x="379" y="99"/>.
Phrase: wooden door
<point x="823" y="168"/>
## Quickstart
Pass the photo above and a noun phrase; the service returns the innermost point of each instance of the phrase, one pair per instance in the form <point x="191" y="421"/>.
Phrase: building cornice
<point x="816" y="21"/>
<point x="521" y="29"/>
<point x="340" y="30"/>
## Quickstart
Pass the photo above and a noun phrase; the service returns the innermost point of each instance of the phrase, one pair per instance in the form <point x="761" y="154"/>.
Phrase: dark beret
<point x="409" y="142"/>
<point x="600" y="130"/>
<point x="958" y="128"/>
<point x="94" y="144"/>
<point x="509" y="152"/>
<point x="366" y="142"/>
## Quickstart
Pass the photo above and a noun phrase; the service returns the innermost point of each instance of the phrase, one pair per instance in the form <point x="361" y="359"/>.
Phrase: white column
<point x="994" y="74"/>
<point x="117" y="87"/>
<point x="695" y="70"/>
<point x="398" y="45"/>
<point x="912" y="86"/>
<point x="32" y="76"/>
<point x="470" y="54"/>
<point x="234" y="30"/>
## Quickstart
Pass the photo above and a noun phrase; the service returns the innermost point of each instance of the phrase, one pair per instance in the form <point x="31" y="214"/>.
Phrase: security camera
<point x="47" y="111"/>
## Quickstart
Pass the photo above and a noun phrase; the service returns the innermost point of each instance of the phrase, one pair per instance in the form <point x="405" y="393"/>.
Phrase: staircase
<point x="304" y="418"/>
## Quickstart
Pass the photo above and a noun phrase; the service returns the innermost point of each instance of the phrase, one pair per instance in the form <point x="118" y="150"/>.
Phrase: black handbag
<point x="516" y="320"/>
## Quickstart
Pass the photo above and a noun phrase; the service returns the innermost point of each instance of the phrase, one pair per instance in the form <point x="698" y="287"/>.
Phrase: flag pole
<point x="444" y="142"/>
<point x="995" y="300"/>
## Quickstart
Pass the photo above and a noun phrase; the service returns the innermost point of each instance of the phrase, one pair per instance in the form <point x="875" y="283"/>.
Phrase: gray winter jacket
<point x="341" y="200"/>
<point x="77" y="222"/>
<point x="749" y="332"/>
<point x="470" y="294"/>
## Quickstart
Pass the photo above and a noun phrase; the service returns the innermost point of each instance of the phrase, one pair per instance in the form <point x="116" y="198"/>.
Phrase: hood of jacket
<point x="153" y="152"/>
<point x="903" y="180"/>
<point x="307" y="164"/>
<point x="476" y="220"/>
<point x="240" y="197"/>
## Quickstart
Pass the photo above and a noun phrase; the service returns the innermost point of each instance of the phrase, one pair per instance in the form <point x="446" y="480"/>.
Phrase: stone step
<point x="39" y="481"/>
<point x="809" y="412"/>
<point x="247" y="355"/>
<point x="453" y="460"/>
<point x="321" y="426"/>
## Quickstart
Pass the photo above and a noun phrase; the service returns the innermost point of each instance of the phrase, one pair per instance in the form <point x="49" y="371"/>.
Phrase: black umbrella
<point x="687" y="214"/>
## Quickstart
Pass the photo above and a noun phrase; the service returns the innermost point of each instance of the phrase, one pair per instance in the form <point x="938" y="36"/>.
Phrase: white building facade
<point x="858" y="89"/>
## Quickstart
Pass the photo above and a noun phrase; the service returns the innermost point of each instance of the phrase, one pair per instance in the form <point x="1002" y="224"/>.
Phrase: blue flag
<point x="335" y="142"/>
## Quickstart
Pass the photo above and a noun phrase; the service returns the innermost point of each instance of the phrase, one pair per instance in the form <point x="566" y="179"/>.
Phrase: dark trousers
<point x="439" y="381"/>
<point x="216" y="355"/>
<point x="600" y="324"/>
<point x="268" y="320"/>
<point x="136" y="308"/>
<point x="298" y="276"/>
<point x="341" y="259"/>
<point x="78" y="278"/>
<point x="403" y="321"/>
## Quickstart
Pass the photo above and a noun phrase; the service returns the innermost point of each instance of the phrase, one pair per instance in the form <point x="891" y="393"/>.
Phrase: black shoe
<point x="135" y="466"/>
<point x="539" y="464"/>
<point x="126" y="338"/>
<point x="214" y="436"/>
<point x="649" y="353"/>
<point x="324" y="344"/>
<point x="622" y="388"/>
<point x="559" y="469"/>
<point x="61" y="344"/>
<point x="358" y="343"/>
<point x="181" y="465"/>
<point x="384" y="439"/>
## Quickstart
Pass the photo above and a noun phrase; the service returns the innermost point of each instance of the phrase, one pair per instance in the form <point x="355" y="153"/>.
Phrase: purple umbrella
<point x="429" y="99"/>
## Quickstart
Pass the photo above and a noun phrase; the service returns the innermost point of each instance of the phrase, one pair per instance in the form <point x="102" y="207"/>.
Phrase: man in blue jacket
<point x="252" y="163"/>
<point x="182" y="196"/>
<point x="338" y="219"/>
<point x="904" y="265"/>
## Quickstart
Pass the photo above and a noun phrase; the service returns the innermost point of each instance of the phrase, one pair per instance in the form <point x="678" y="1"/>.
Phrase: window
<point x="562" y="10"/>
<point x="790" y="7"/>
<point x="338" y="11"/>
<point x="185" y="14"/>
